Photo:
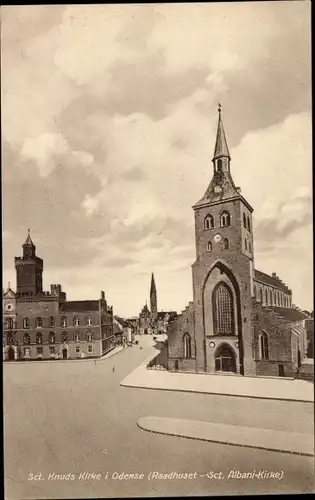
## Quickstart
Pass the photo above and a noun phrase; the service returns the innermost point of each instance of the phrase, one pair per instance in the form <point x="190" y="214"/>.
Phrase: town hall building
<point x="44" y="325"/>
<point x="241" y="320"/>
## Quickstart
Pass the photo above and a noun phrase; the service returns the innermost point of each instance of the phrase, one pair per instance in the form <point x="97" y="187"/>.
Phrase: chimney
<point x="274" y="275"/>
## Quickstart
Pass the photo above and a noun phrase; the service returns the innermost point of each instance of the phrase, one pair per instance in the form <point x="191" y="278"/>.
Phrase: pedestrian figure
<point x="113" y="369"/>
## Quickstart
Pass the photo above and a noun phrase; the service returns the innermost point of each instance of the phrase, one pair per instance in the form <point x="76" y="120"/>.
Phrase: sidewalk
<point x="264" y="439"/>
<point x="228" y="385"/>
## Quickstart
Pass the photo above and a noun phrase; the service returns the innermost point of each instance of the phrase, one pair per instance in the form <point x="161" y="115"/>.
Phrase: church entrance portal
<point x="11" y="354"/>
<point x="225" y="359"/>
<point x="64" y="353"/>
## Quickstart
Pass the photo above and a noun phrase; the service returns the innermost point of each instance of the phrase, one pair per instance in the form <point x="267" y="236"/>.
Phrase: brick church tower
<point x="29" y="270"/>
<point x="223" y="271"/>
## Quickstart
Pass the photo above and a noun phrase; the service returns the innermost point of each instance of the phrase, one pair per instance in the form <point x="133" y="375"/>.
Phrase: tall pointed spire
<point x="153" y="296"/>
<point x="221" y="149"/>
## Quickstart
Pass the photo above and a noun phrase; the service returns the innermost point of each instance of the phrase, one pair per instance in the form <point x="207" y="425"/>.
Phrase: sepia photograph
<point x="157" y="250"/>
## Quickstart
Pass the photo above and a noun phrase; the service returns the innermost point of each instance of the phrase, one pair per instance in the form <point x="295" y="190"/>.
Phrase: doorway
<point x="225" y="359"/>
<point x="64" y="353"/>
<point x="281" y="370"/>
<point x="176" y="366"/>
<point x="11" y="354"/>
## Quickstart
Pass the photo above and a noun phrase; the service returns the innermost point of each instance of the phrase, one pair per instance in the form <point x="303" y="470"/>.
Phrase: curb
<point x="218" y="394"/>
<point x="227" y="443"/>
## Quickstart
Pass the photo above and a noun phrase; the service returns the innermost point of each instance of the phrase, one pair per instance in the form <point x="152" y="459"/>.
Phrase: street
<point x="74" y="417"/>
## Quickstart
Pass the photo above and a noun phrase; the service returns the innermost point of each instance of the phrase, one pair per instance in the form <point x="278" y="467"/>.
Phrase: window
<point x="9" y="323"/>
<point x="278" y="298"/>
<point x="26" y="323"/>
<point x="255" y="292"/>
<point x="39" y="351"/>
<point x="76" y="321"/>
<point x="223" y="310"/>
<point x="63" y="322"/>
<point x="225" y="219"/>
<point x="270" y="297"/>
<point x="52" y="322"/>
<point x="39" y="338"/>
<point x="225" y="244"/>
<point x="261" y="295"/>
<point x="26" y="352"/>
<point x="64" y="337"/>
<point x="187" y="345"/>
<point x="88" y="321"/>
<point x="77" y="349"/>
<point x="77" y="337"/>
<point x="52" y="350"/>
<point x="250" y="247"/>
<point x="10" y="339"/>
<point x="264" y="346"/>
<point x="26" y="338"/>
<point x="220" y="164"/>
<point x="51" y="338"/>
<point x="89" y="336"/>
<point x="209" y="223"/>
<point x="245" y="244"/>
<point x="90" y="348"/>
<point x="248" y="224"/>
<point x="244" y="220"/>
<point x="39" y="323"/>
<point x="266" y="297"/>
<point x="209" y="246"/>
<point x="281" y="300"/>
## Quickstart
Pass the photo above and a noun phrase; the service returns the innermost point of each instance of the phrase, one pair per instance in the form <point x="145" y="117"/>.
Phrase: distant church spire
<point x="153" y="296"/>
<point x="221" y="149"/>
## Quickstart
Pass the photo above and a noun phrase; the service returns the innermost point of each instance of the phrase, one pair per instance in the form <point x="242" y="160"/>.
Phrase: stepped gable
<point x="80" y="306"/>
<point x="271" y="281"/>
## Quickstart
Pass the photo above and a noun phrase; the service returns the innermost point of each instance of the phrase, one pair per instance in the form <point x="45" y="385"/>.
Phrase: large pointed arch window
<point x="264" y="345"/>
<point x="187" y="345"/>
<point x="223" y="310"/>
<point x="225" y="219"/>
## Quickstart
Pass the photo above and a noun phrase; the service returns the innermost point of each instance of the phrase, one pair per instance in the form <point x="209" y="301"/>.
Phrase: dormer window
<point x="209" y="222"/>
<point x="225" y="219"/>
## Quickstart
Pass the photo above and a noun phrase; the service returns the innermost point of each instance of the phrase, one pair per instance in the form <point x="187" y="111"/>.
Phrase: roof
<point x="80" y="306"/>
<point x="116" y="329"/>
<point x="28" y="240"/>
<point x="121" y="321"/>
<point x="270" y="280"/>
<point x="221" y="147"/>
<point x="290" y="314"/>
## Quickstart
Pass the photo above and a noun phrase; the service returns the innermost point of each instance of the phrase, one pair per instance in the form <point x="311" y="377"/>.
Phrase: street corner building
<point x="241" y="320"/>
<point x="44" y="325"/>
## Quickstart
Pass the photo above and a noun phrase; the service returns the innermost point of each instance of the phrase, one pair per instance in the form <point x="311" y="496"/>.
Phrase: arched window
<point x="223" y="310"/>
<point x="264" y="346"/>
<point x="278" y="298"/>
<point x="88" y="321"/>
<point x="270" y="297"/>
<point x="10" y="339"/>
<point x="51" y="338"/>
<point x="187" y="345"/>
<point x="77" y="337"/>
<point x="64" y="337"/>
<point x="266" y="297"/>
<point x="281" y="300"/>
<point x="209" y="246"/>
<point x="250" y="247"/>
<point x="26" y="323"/>
<point x="220" y="164"/>
<point x="225" y="219"/>
<point x="39" y="338"/>
<point x="76" y="321"/>
<point x="89" y="336"/>
<point x="244" y="220"/>
<point x="225" y="244"/>
<point x="52" y="322"/>
<point x="255" y="292"/>
<point x="261" y="295"/>
<point x="209" y="222"/>
<point x="39" y="322"/>
<point x="248" y="224"/>
<point x="63" y="322"/>
<point x="26" y="338"/>
<point x="9" y="324"/>
<point x="245" y="244"/>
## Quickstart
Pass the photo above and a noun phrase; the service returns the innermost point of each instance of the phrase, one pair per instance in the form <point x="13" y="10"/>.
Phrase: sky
<point x="109" y="116"/>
